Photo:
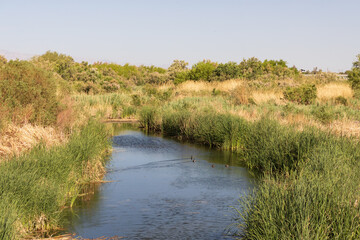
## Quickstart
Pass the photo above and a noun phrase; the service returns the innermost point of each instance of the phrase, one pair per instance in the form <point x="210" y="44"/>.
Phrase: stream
<point x="156" y="191"/>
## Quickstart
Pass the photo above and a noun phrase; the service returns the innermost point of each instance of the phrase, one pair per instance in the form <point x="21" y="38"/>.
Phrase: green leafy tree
<point x="226" y="71"/>
<point x="203" y="70"/>
<point x="251" y="68"/>
<point x="62" y="64"/>
<point x="178" y="71"/>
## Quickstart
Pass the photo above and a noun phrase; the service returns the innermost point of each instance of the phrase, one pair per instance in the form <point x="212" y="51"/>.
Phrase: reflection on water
<point x="158" y="192"/>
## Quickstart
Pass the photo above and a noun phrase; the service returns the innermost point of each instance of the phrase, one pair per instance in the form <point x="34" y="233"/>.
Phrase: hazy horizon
<point x="307" y="34"/>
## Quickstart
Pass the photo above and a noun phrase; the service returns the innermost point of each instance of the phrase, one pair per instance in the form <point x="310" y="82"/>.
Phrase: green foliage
<point x="326" y="113"/>
<point x="35" y="187"/>
<point x="271" y="148"/>
<point x="226" y="71"/>
<point x="62" y="64"/>
<point x="148" y="118"/>
<point x="139" y="75"/>
<point x="202" y="71"/>
<point x="251" y="68"/>
<point x="28" y="93"/>
<point x="181" y="77"/>
<point x="84" y="76"/>
<point x="279" y="68"/>
<point x="317" y="201"/>
<point x="178" y="71"/>
<point x="354" y="75"/>
<point x="305" y="94"/>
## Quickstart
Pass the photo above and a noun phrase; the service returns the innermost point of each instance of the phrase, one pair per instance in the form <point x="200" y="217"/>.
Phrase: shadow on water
<point x="161" y="189"/>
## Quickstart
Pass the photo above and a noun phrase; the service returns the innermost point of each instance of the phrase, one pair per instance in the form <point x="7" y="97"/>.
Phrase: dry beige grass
<point x="192" y="86"/>
<point x="229" y="85"/>
<point x="198" y="86"/>
<point x="266" y="96"/>
<point x="349" y="128"/>
<point x="333" y="90"/>
<point x="15" y="140"/>
<point x="251" y="116"/>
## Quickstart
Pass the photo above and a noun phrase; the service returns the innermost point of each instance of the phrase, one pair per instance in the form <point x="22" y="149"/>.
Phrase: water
<point x="158" y="192"/>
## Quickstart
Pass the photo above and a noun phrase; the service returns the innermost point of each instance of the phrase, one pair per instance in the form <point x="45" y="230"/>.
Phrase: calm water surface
<point x="157" y="192"/>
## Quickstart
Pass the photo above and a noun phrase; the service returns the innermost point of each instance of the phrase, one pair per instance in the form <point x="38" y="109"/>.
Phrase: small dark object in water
<point x="194" y="160"/>
<point x="226" y="165"/>
<point x="213" y="166"/>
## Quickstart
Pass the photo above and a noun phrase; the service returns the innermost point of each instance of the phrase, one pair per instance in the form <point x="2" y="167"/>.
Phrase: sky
<point x="307" y="34"/>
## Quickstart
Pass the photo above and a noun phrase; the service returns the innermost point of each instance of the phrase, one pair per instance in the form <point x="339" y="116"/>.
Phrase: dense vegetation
<point x="354" y="76"/>
<point x="34" y="187"/>
<point x="27" y="93"/>
<point x="299" y="133"/>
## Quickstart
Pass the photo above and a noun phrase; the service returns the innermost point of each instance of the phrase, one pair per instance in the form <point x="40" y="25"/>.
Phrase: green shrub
<point x="251" y="68"/>
<point x="181" y="77"/>
<point x="305" y="94"/>
<point x="226" y="71"/>
<point x="354" y="74"/>
<point x="202" y="71"/>
<point x="28" y="93"/>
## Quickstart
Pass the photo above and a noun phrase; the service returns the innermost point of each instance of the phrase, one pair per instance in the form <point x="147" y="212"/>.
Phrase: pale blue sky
<point x="322" y="33"/>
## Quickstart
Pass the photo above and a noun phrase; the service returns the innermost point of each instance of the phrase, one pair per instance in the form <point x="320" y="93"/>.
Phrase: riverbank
<point x="36" y="186"/>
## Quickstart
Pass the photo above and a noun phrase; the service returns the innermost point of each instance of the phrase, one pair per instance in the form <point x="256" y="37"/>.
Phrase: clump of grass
<point x="148" y="117"/>
<point x="38" y="184"/>
<point x="319" y="200"/>
<point x="324" y="113"/>
<point x="241" y="95"/>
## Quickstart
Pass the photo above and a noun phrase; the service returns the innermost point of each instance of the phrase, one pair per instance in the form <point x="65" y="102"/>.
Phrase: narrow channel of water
<point x="158" y="192"/>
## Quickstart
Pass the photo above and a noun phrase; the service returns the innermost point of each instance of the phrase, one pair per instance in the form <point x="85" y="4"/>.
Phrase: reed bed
<point x="34" y="187"/>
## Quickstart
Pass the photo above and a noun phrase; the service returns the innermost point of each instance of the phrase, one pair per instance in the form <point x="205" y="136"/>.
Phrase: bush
<point x="251" y="68"/>
<point x="28" y="93"/>
<point x="202" y="71"/>
<point x="354" y="75"/>
<point x="226" y="71"/>
<point x="305" y="94"/>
